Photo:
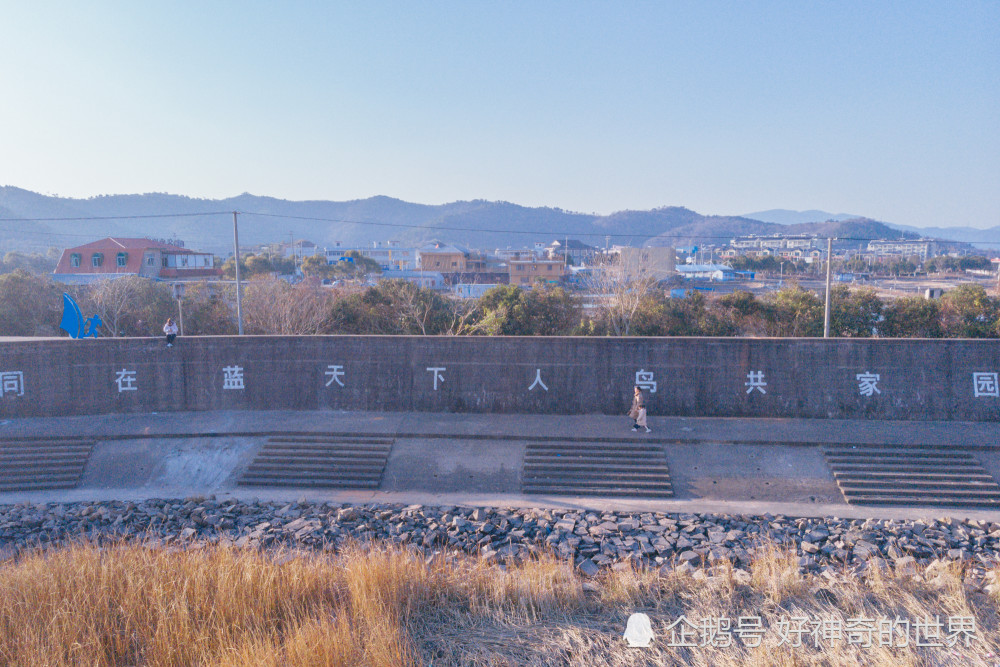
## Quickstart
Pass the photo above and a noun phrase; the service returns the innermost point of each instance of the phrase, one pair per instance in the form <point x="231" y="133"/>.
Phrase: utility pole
<point x="239" y="290"/>
<point x="178" y="289"/>
<point x="826" y="311"/>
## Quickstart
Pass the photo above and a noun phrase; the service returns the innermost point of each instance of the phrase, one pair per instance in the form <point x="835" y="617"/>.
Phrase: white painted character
<point x="644" y="380"/>
<point x="538" y="381"/>
<point x="125" y="379"/>
<point x="232" y="377"/>
<point x="868" y="383"/>
<point x="438" y="374"/>
<point x="985" y="384"/>
<point x="11" y="383"/>
<point x="335" y="373"/>
<point x="755" y="381"/>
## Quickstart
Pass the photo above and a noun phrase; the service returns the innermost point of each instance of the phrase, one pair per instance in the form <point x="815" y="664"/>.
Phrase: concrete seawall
<point x="727" y="377"/>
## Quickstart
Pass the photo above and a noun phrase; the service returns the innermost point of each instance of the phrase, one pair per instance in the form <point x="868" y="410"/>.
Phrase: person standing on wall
<point x="638" y="411"/>
<point x="170" y="329"/>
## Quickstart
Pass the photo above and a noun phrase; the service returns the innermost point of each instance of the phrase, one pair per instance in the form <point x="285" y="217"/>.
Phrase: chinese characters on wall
<point x="984" y="384"/>
<point x="11" y="383"/>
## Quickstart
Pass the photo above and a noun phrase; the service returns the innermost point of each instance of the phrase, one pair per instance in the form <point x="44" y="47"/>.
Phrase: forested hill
<point x="475" y="224"/>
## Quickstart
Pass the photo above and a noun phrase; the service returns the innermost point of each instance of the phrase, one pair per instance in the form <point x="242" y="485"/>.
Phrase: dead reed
<point x="141" y="604"/>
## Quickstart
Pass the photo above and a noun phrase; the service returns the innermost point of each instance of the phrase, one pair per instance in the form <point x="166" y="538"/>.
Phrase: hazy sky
<point x="885" y="109"/>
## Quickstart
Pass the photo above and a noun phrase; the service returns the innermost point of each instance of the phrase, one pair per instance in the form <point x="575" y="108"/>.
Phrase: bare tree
<point x="274" y="307"/>
<point x="619" y="288"/>
<point x="464" y="314"/>
<point x="414" y="309"/>
<point x="116" y="300"/>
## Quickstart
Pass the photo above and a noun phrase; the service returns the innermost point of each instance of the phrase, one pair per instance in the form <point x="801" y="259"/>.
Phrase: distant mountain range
<point x="973" y="235"/>
<point x="474" y="224"/>
<point x="782" y="216"/>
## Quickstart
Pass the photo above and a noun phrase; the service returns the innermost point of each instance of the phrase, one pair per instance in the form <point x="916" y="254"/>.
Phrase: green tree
<point x="283" y="266"/>
<point x="745" y="312"/>
<point x="503" y="311"/>
<point x="257" y="266"/>
<point x="902" y="267"/>
<point x="392" y="307"/>
<point x="316" y="266"/>
<point x="361" y="265"/>
<point x="229" y="268"/>
<point x="794" y="311"/>
<point x="949" y="263"/>
<point x="507" y="310"/>
<point x="650" y="316"/>
<point x="553" y="309"/>
<point x="769" y="264"/>
<point x="911" y="317"/>
<point x="969" y="312"/>
<point x="854" y="313"/>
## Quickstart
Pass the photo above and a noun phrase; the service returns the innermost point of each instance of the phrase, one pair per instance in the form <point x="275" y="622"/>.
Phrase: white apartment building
<point x="774" y="242"/>
<point x="922" y="248"/>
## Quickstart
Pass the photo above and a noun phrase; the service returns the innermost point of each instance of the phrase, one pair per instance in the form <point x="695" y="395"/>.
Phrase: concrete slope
<point x="685" y="465"/>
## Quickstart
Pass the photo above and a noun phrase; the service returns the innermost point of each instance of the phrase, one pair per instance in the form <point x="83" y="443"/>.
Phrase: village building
<point x="150" y="258"/>
<point x="390" y="255"/>
<point x="657" y="262"/>
<point x="524" y="273"/>
<point x="578" y="252"/>
<point x="442" y="257"/>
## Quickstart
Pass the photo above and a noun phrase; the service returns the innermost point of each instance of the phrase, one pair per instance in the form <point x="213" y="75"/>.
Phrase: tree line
<point x="883" y="266"/>
<point x="31" y="305"/>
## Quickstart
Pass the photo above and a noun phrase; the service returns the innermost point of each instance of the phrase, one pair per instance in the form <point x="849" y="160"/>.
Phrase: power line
<point x="56" y="234"/>
<point x="430" y="228"/>
<point x="116" y="217"/>
<point x="561" y="233"/>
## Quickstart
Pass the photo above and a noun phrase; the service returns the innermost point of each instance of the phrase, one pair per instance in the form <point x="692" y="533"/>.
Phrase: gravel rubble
<point x="594" y="540"/>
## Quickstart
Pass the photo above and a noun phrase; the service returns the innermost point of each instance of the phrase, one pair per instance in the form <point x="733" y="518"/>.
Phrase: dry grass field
<point x="135" y="604"/>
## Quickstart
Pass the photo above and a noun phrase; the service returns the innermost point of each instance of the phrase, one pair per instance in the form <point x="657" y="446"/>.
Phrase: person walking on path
<point x="170" y="328"/>
<point x="638" y="411"/>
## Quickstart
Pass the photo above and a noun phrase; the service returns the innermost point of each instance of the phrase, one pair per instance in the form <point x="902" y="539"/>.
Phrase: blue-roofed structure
<point x="716" y="272"/>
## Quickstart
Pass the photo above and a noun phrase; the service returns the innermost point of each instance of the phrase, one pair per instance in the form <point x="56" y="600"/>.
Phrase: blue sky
<point x="886" y="109"/>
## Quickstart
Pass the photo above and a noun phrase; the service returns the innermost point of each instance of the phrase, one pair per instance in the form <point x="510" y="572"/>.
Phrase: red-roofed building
<point x="157" y="260"/>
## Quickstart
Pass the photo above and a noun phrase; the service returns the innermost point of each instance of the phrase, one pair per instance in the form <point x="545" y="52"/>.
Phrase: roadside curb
<point x="403" y="435"/>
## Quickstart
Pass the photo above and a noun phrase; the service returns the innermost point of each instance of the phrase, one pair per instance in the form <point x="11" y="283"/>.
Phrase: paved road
<point x="665" y="429"/>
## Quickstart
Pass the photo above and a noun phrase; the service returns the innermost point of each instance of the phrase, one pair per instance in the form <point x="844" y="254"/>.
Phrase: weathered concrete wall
<point x="917" y="379"/>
